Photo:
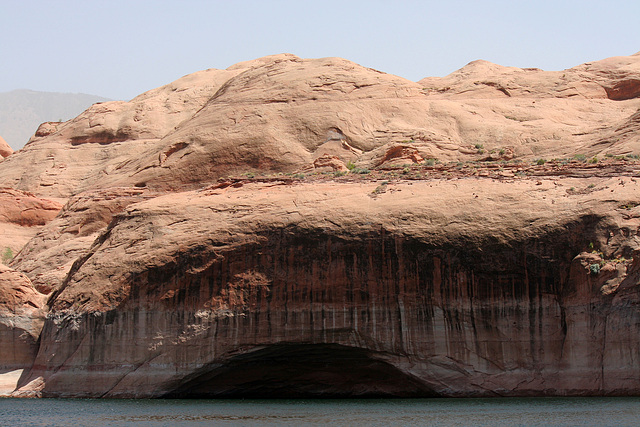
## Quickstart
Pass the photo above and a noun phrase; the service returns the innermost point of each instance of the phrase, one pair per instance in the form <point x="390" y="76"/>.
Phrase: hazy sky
<point x="119" y="49"/>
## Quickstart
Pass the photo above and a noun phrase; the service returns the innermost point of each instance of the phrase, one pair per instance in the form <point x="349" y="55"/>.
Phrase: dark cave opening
<point x="294" y="371"/>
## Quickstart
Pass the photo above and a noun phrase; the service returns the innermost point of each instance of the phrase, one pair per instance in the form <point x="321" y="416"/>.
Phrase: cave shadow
<point x="297" y="371"/>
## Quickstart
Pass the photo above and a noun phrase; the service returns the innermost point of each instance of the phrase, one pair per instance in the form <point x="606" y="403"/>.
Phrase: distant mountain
<point x="22" y="111"/>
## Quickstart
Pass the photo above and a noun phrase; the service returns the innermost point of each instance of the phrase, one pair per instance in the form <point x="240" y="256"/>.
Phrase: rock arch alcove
<point x="301" y="371"/>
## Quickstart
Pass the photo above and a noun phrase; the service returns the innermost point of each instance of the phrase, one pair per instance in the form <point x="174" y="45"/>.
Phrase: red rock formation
<point x="400" y="155"/>
<point x="70" y="234"/>
<point x="625" y="89"/>
<point x="25" y="209"/>
<point x="329" y="163"/>
<point x="22" y="312"/>
<point x="5" y="149"/>
<point x="214" y="293"/>
<point x="471" y="276"/>
<point x="279" y="114"/>
<point x="22" y="215"/>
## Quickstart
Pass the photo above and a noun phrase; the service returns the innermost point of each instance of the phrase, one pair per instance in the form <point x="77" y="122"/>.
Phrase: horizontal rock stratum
<point x="312" y="228"/>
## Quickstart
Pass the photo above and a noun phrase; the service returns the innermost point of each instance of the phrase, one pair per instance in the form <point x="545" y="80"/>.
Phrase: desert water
<point x="372" y="412"/>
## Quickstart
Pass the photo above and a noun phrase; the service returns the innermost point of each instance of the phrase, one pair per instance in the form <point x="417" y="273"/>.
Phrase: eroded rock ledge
<point x="312" y="228"/>
<point x="432" y="289"/>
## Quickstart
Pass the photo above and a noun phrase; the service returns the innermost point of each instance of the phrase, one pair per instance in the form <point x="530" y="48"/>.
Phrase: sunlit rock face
<point x="22" y="314"/>
<point x="5" y="149"/>
<point x="282" y="113"/>
<point x="294" y="227"/>
<point x="262" y="289"/>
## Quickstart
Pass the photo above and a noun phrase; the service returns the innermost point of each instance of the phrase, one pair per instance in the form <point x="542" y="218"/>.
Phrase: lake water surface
<point x="361" y="413"/>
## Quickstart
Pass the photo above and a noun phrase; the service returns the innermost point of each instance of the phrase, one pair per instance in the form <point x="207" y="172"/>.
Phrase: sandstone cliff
<point x="296" y="227"/>
<point x="451" y="288"/>
<point x="22" y="313"/>
<point x="5" y="149"/>
<point x="22" y="215"/>
<point x="282" y="113"/>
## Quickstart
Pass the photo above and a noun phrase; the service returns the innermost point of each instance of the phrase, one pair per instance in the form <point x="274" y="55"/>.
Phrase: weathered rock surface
<point x="282" y="113"/>
<point x="70" y="234"/>
<point x="89" y="151"/>
<point x="464" y="287"/>
<point x="5" y="149"/>
<point x="22" y="314"/>
<point x="310" y="227"/>
<point x="22" y="215"/>
<point x="25" y="209"/>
